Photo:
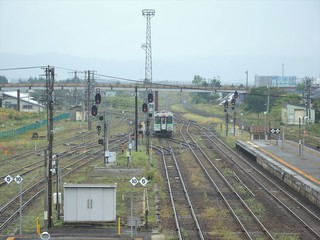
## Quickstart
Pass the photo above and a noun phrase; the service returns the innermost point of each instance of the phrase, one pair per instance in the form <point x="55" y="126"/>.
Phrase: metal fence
<point x="21" y="130"/>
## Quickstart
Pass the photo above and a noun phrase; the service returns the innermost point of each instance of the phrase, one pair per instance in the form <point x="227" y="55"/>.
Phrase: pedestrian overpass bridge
<point x="124" y="87"/>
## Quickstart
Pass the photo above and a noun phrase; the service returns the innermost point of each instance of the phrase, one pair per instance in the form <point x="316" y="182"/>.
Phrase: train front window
<point x="163" y="121"/>
<point x="157" y="120"/>
<point x="169" y="120"/>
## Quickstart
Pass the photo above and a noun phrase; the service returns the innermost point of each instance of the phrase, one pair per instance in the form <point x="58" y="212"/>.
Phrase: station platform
<point x="296" y="165"/>
<point x="304" y="161"/>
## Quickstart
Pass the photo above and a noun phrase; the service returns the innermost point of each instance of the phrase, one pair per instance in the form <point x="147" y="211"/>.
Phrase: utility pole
<point x="75" y="93"/>
<point x="148" y="13"/>
<point x="308" y="98"/>
<point x="45" y="213"/>
<point x="136" y="116"/>
<point x="247" y="84"/>
<point x="50" y="104"/>
<point x="90" y="87"/>
<point x="105" y="138"/>
<point x="88" y="100"/>
<point x="268" y="100"/>
<point x="18" y="100"/>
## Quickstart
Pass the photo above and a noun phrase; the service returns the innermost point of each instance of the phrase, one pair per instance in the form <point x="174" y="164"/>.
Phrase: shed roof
<point x="73" y="185"/>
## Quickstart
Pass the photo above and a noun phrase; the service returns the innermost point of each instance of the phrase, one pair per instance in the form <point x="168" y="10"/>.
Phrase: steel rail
<point x="12" y="216"/>
<point x="256" y="219"/>
<point x="313" y="231"/>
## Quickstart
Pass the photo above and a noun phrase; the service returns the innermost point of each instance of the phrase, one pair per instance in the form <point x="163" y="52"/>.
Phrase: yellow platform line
<point x="283" y="162"/>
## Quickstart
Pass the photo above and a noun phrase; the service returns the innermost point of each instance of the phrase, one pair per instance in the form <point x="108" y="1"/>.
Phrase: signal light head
<point x="144" y="107"/>
<point x="97" y="98"/>
<point x="150" y="98"/>
<point x="235" y="94"/>
<point x="94" y="110"/>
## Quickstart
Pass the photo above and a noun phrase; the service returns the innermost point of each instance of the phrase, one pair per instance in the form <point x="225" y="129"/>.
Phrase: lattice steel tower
<point x="148" y="13"/>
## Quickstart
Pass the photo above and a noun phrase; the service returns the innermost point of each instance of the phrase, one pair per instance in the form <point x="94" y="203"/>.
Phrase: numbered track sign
<point x="18" y="179"/>
<point x="134" y="181"/>
<point x="8" y="179"/>
<point x="143" y="181"/>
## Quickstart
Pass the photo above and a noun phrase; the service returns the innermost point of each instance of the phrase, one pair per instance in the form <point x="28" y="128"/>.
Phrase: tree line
<point x="259" y="99"/>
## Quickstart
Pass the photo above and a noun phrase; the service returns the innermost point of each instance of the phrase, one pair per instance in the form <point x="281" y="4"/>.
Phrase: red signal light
<point x="94" y="110"/>
<point x="97" y="98"/>
<point x="150" y="98"/>
<point x="144" y="107"/>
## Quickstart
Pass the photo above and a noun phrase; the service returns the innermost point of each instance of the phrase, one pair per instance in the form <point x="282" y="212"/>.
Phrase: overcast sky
<point x="209" y="38"/>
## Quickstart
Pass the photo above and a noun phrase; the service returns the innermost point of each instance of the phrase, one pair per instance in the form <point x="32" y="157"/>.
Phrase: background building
<point x="275" y="81"/>
<point x="290" y="115"/>
<point x="26" y="103"/>
<point x="260" y="81"/>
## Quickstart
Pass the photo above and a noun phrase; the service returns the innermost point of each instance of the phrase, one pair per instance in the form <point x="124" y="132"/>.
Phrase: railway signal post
<point x="233" y="107"/>
<point x="18" y="179"/>
<point x="226" y="104"/>
<point x="150" y="114"/>
<point x="134" y="181"/>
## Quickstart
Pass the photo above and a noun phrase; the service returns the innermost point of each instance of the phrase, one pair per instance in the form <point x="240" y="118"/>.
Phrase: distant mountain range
<point x="230" y="69"/>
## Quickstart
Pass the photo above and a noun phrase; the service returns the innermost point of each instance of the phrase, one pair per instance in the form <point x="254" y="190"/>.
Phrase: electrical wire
<point x="21" y="68"/>
<point x="68" y="69"/>
<point x="128" y="79"/>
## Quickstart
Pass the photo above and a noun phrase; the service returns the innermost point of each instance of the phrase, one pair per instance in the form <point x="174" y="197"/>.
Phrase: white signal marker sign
<point x="18" y="179"/>
<point x="8" y="179"/>
<point x="143" y="181"/>
<point x="133" y="181"/>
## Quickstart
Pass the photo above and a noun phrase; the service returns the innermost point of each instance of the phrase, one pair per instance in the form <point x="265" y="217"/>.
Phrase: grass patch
<point x="178" y="108"/>
<point x="256" y="207"/>
<point x="201" y="119"/>
<point x="209" y="212"/>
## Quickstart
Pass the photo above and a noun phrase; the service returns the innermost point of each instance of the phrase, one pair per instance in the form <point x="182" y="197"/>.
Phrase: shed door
<point x="70" y="206"/>
<point x="291" y="118"/>
<point x="83" y="204"/>
<point x="96" y="204"/>
<point x="109" y="211"/>
<point x="298" y="113"/>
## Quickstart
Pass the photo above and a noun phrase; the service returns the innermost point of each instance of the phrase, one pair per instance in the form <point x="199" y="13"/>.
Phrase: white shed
<point x="89" y="203"/>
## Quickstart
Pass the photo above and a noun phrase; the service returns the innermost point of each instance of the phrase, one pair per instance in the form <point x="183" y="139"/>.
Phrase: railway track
<point x="241" y="184"/>
<point x="247" y="220"/>
<point x="186" y="221"/>
<point x="10" y="210"/>
<point x="35" y="158"/>
<point x="74" y="156"/>
<point x="22" y="155"/>
<point x="305" y="217"/>
<point x="38" y="160"/>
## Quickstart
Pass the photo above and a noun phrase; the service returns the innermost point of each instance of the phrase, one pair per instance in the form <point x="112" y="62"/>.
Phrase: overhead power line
<point x="69" y="69"/>
<point x="21" y="68"/>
